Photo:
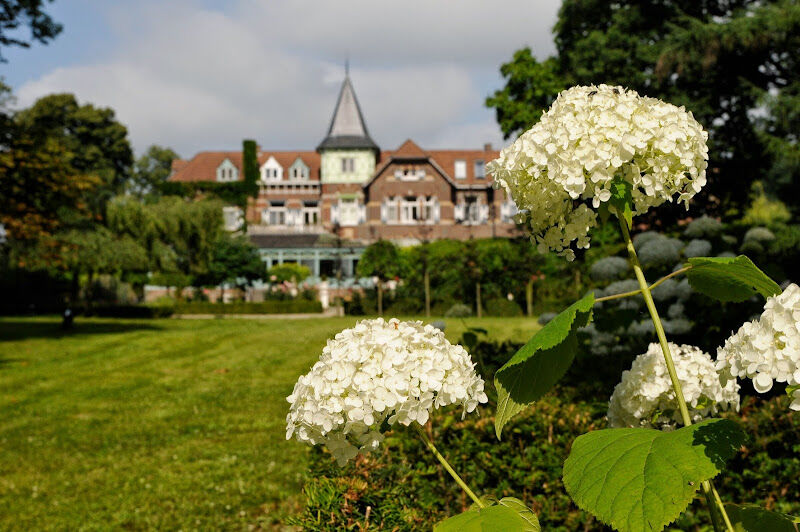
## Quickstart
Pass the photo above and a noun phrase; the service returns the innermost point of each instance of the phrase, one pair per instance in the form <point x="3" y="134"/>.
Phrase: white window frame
<point x="348" y="165"/>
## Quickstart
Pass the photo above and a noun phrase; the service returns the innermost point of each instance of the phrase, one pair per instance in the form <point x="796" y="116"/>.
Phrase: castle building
<point x="322" y="207"/>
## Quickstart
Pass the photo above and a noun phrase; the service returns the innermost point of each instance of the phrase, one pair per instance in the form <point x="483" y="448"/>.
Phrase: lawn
<point x="160" y="423"/>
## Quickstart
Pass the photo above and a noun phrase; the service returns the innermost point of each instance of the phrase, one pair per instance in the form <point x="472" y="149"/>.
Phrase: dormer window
<point x="461" y="169"/>
<point x="227" y="172"/>
<point x="298" y="170"/>
<point x="271" y="170"/>
<point x="480" y="169"/>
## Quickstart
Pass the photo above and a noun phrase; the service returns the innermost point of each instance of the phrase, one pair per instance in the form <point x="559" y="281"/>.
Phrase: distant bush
<point x="698" y="248"/>
<point x="289" y="306"/>
<point x="609" y="269"/>
<point x="459" y="310"/>
<point x="132" y="311"/>
<point x="660" y="252"/>
<point x="502" y="307"/>
<point x="704" y="227"/>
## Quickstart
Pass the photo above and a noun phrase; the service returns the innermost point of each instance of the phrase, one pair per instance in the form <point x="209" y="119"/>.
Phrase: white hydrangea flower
<point x="645" y="397"/>
<point x="379" y="371"/>
<point x="590" y="135"/>
<point x="767" y="349"/>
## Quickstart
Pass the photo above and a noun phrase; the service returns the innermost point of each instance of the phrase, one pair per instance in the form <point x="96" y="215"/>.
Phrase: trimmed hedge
<point x="285" y="306"/>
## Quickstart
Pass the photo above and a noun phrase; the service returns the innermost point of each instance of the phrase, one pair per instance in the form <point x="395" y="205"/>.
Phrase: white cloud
<point x="193" y="78"/>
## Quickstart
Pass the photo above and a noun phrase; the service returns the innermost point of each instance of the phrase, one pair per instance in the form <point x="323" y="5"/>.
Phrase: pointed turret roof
<point x="347" y="129"/>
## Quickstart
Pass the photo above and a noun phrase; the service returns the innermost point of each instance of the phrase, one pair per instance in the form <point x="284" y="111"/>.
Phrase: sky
<point x="201" y="75"/>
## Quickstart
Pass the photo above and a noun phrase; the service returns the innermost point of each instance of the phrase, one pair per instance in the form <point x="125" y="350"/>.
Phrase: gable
<point x="227" y="171"/>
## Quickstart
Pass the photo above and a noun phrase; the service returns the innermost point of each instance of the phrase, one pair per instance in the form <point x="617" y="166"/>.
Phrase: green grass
<point x="158" y="423"/>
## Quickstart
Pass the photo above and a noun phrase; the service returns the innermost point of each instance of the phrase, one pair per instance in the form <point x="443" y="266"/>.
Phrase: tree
<point x="288" y="272"/>
<point x="234" y="260"/>
<point x="30" y="13"/>
<point x="150" y="171"/>
<point x="382" y="259"/>
<point x="722" y="59"/>
<point x="97" y="141"/>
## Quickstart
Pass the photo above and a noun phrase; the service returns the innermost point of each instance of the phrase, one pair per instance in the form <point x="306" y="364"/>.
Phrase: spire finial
<point x="347" y="65"/>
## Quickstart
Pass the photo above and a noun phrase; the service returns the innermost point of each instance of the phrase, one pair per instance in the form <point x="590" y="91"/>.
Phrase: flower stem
<point x="634" y="292"/>
<point x="716" y="508"/>
<point x="432" y="448"/>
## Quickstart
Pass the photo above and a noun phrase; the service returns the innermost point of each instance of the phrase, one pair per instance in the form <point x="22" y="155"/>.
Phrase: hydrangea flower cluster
<point x="589" y="136"/>
<point x="645" y="397"/>
<point x="379" y="371"/>
<point x="767" y="349"/>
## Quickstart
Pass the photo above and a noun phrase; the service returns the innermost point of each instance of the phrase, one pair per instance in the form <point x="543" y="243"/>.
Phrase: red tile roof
<point x="203" y="166"/>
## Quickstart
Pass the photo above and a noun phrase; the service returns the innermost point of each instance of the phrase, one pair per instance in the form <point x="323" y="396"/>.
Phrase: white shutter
<point x="458" y="212"/>
<point x="334" y="213"/>
<point x="384" y="215"/>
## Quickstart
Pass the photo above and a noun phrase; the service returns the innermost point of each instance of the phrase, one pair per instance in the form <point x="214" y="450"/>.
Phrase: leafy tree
<point x="40" y="191"/>
<point x="234" y="260"/>
<point x="150" y="171"/>
<point x="722" y="59"/>
<point x="30" y="13"/>
<point x="97" y="142"/>
<point x="381" y="259"/>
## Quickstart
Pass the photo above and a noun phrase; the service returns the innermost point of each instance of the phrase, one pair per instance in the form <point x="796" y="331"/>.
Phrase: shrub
<point x="660" y="252"/>
<point x="704" y="227"/>
<point x="288" y="306"/>
<point x="758" y="234"/>
<point x="609" y="269"/>
<point x="502" y="307"/>
<point x="698" y="248"/>
<point x="132" y="311"/>
<point x="459" y="310"/>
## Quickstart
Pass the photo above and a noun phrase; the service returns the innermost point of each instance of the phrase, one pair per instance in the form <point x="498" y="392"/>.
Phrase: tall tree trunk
<point x="380" y="297"/>
<point x="478" y="300"/>
<point x="427" y="282"/>
<point x="529" y="297"/>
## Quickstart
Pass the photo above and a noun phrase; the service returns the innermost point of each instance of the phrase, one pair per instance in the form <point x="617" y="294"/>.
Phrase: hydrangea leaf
<point x="622" y="199"/>
<point x="642" y="479"/>
<point x="751" y="518"/>
<point x="729" y="278"/>
<point x="508" y="514"/>
<point x="540" y="363"/>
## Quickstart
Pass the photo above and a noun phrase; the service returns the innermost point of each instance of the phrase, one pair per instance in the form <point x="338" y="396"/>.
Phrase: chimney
<point x="487" y="146"/>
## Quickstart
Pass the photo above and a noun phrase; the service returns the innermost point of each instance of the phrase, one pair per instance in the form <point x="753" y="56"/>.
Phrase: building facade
<point x="348" y="192"/>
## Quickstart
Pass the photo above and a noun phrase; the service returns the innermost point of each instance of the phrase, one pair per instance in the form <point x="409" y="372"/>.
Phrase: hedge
<point x="287" y="306"/>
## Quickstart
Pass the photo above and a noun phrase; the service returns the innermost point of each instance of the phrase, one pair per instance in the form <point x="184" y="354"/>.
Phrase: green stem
<point x="715" y="507"/>
<point x="634" y="292"/>
<point x="432" y="448"/>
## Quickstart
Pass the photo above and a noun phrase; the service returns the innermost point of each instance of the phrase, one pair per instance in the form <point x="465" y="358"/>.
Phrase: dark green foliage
<point x="288" y="271"/>
<point x="290" y="306"/>
<point x="250" y="162"/>
<point x="502" y="307"/>
<point x="381" y="259"/>
<point x="719" y="58"/>
<point x="234" y="260"/>
<point x="19" y="13"/>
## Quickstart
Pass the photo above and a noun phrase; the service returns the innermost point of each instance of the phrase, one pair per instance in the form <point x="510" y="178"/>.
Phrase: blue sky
<point x="197" y="75"/>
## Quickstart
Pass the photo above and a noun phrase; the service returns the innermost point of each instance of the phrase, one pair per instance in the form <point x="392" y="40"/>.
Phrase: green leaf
<point x="509" y="514"/>
<point x="642" y="479"/>
<point x="622" y="199"/>
<point x="729" y="278"/>
<point x="540" y="363"/>
<point x="750" y="518"/>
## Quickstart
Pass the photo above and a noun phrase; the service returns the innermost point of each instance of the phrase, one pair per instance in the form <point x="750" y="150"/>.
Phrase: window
<point x="409" y="209"/>
<point x="472" y="211"/>
<point x="271" y="170"/>
<point x="480" y="169"/>
<point x="389" y="210"/>
<point x="275" y="214"/>
<point x="298" y="170"/>
<point x="430" y="209"/>
<point x="310" y="213"/>
<point x="348" y="165"/>
<point x="461" y="169"/>
<point x="227" y="171"/>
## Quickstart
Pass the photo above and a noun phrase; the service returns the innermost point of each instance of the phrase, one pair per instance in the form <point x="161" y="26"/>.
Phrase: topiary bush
<point x="502" y="307"/>
<point x="458" y="310"/>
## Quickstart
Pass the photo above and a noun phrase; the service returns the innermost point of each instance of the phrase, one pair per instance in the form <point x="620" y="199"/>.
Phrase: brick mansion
<point x="349" y="192"/>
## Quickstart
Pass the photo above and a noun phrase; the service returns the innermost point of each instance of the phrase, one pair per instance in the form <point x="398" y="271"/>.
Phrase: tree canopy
<point x="16" y="14"/>
<point x="150" y="172"/>
<point x="733" y="63"/>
